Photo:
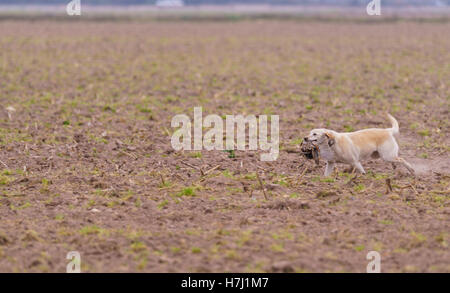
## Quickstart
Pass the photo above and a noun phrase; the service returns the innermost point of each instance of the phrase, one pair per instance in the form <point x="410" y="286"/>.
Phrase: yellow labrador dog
<point x="353" y="147"/>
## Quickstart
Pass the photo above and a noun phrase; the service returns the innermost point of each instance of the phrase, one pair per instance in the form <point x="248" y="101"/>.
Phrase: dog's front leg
<point x="329" y="168"/>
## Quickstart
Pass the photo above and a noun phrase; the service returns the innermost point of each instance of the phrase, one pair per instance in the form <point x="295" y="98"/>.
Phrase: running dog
<point x="353" y="147"/>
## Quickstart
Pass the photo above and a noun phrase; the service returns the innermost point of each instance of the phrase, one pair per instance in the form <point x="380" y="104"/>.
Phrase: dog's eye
<point x="314" y="134"/>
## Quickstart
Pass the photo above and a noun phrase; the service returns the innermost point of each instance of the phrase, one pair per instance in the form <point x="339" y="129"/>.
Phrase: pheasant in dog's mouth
<point x="310" y="150"/>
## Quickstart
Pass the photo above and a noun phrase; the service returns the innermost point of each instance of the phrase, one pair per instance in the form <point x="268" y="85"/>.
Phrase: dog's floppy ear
<point x="331" y="139"/>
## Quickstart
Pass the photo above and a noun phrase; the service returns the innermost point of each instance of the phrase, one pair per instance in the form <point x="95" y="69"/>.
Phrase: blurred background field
<point x="87" y="164"/>
<point x="226" y="9"/>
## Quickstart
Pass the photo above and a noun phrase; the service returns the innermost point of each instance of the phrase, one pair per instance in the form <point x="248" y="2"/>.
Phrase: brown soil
<point x="87" y="163"/>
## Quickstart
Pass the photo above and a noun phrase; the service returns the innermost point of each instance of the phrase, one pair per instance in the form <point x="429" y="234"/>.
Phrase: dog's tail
<point x="395" y="129"/>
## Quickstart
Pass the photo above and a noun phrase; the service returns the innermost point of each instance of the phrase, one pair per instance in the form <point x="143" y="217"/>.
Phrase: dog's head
<point x="320" y="136"/>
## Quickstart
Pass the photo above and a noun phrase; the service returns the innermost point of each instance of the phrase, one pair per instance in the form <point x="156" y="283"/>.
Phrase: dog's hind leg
<point x="402" y="161"/>
<point x="406" y="164"/>
<point x="389" y="153"/>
